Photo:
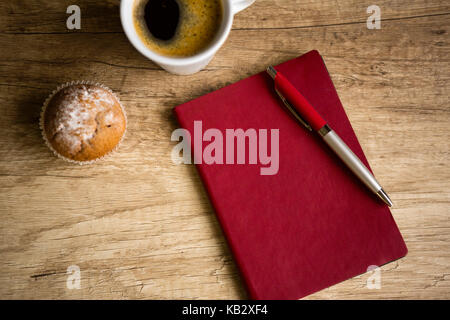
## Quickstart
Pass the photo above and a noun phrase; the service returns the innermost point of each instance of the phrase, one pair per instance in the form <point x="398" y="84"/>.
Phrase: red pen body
<point x="299" y="102"/>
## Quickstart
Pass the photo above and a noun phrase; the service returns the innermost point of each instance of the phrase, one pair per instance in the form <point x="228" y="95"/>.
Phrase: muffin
<point x="83" y="122"/>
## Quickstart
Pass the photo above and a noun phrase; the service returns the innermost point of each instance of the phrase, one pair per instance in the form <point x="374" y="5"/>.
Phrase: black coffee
<point x="177" y="28"/>
<point x="161" y="18"/>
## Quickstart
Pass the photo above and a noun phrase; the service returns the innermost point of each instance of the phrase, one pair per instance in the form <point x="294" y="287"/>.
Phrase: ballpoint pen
<point x="304" y="112"/>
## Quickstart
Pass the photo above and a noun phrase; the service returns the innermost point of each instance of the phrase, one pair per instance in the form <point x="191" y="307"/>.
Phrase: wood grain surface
<point x="139" y="226"/>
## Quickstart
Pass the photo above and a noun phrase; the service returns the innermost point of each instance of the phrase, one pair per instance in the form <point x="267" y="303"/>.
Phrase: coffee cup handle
<point x="239" y="5"/>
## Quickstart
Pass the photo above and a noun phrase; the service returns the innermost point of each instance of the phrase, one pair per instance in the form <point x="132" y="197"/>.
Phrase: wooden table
<point x="139" y="226"/>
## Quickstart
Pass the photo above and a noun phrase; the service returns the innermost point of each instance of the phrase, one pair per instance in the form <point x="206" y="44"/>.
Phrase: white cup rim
<point x="126" y="16"/>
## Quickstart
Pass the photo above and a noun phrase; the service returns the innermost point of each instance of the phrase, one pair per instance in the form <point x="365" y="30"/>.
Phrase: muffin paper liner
<point x="44" y="107"/>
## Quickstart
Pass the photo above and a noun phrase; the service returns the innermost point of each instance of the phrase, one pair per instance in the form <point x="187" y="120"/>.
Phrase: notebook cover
<point x="311" y="225"/>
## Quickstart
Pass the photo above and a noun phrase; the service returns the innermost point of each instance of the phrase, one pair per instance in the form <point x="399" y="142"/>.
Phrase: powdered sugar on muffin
<point x="83" y="122"/>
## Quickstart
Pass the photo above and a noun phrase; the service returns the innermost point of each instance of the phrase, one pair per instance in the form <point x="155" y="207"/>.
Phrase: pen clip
<point x="293" y="111"/>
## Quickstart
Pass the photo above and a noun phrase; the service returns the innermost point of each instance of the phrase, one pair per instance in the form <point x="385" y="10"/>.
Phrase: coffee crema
<point x="177" y="28"/>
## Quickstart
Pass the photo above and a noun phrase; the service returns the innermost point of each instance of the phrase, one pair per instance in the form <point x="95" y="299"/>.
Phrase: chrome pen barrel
<point x="353" y="162"/>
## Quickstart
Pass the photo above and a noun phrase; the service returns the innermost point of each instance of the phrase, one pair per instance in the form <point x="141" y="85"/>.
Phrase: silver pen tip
<point x="271" y="71"/>
<point x="383" y="196"/>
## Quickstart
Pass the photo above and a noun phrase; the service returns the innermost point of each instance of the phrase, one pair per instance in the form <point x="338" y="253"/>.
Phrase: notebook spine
<point x="225" y="229"/>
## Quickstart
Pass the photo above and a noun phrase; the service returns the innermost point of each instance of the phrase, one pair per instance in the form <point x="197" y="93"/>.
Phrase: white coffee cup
<point x="185" y="65"/>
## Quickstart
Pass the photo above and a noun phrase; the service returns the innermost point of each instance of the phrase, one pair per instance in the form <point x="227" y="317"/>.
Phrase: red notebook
<point x="313" y="223"/>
